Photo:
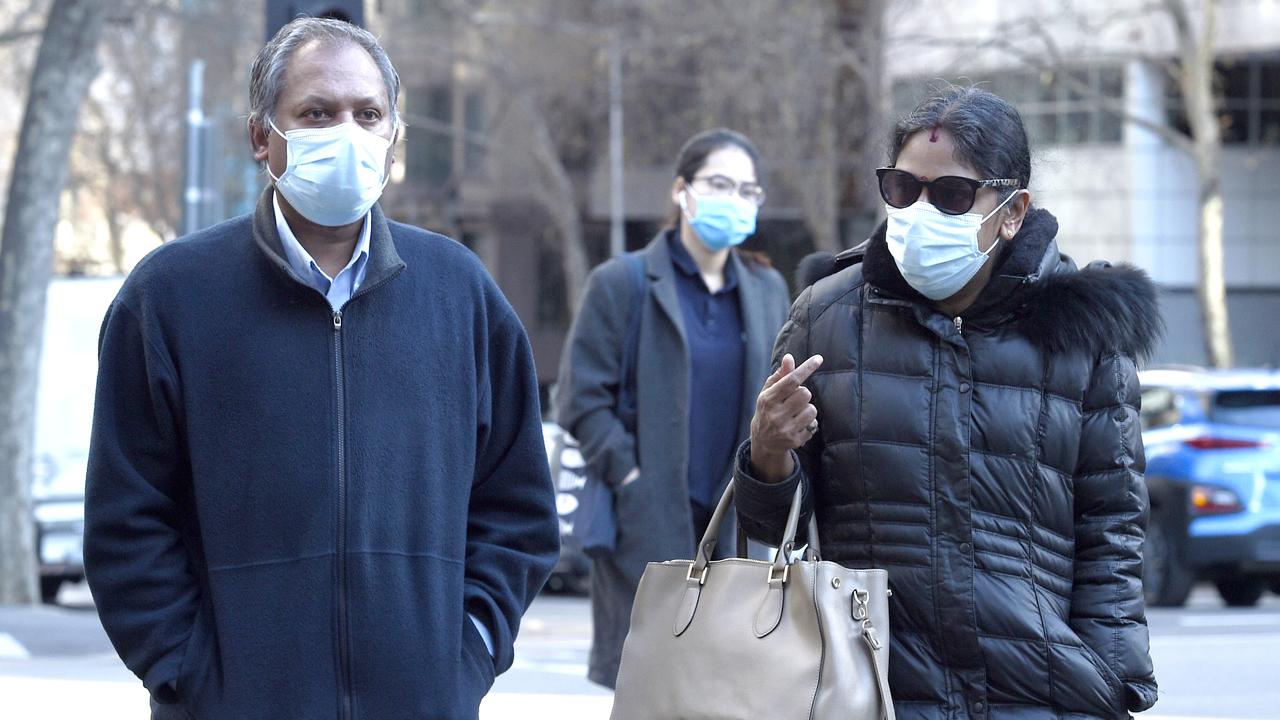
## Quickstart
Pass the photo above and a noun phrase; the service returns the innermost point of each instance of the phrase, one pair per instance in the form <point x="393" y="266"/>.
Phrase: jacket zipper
<point x="959" y="321"/>
<point x="344" y="650"/>
<point x="344" y="653"/>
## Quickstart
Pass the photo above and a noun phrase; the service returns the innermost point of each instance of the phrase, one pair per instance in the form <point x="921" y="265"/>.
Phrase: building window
<point x="1065" y="106"/>
<point x="553" y="310"/>
<point x="441" y="138"/>
<point x="1248" y="101"/>
<point x="429" y="147"/>
<point x="1268" y="84"/>
<point x="474" y="120"/>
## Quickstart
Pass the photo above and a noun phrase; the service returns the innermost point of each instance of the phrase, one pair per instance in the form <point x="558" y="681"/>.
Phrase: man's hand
<point x="784" y="419"/>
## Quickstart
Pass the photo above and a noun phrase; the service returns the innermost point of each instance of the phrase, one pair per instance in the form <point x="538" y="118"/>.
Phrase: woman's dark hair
<point x="987" y="131"/>
<point x="695" y="151"/>
<point x="693" y="156"/>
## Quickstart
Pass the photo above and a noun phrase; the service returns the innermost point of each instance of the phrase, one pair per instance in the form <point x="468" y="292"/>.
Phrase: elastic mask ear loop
<point x="990" y="215"/>
<point x="284" y="137"/>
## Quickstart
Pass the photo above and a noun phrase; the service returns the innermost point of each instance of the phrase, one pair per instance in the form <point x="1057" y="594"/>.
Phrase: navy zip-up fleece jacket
<point x="290" y="511"/>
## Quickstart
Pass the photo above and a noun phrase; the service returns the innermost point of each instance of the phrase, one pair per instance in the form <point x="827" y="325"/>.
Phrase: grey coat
<point x="653" y="511"/>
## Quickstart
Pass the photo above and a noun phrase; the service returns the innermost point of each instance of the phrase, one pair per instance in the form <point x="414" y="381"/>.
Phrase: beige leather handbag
<point x="757" y="640"/>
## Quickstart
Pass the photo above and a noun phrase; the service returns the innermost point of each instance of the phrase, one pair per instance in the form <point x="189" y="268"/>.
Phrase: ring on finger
<point x="812" y="427"/>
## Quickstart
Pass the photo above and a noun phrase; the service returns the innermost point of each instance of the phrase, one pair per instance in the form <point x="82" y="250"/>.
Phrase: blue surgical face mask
<point x="721" y="221"/>
<point x="334" y="174"/>
<point x="937" y="253"/>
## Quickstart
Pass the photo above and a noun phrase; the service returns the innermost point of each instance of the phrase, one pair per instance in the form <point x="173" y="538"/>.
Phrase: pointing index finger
<point x="793" y="380"/>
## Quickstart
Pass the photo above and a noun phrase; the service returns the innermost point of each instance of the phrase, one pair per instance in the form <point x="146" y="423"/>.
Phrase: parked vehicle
<point x="1212" y="440"/>
<point x="572" y="572"/>
<point x="64" y="416"/>
<point x="57" y="494"/>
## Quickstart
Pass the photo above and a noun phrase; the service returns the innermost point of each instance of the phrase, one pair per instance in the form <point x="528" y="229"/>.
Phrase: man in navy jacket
<point x="317" y="486"/>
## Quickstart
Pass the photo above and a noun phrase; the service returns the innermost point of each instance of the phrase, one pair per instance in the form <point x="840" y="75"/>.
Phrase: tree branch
<point x="1114" y="106"/>
<point x="15" y="35"/>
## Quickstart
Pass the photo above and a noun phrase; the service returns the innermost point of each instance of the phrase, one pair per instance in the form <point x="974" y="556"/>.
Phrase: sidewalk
<point x="55" y="664"/>
<point x="32" y="698"/>
<point x="56" y="699"/>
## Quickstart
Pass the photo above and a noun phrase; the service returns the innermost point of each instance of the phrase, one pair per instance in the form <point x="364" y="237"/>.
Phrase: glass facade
<point x="1067" y="106"/>
<point x="1248" y="103"/>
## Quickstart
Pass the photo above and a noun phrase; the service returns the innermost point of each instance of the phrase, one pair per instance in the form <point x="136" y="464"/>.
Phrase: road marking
<point x="557" y="668"/>
<point x="26" y="697"/>
<point x="1250" y="620"/>
<point x="566" y="707"/>
<point x="1149" y="716"/>
<point x="1241" y="639"/>
<point x="11" y="649"/>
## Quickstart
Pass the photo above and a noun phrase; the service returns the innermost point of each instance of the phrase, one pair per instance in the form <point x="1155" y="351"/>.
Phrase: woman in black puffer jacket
<point x="979" y="432"/>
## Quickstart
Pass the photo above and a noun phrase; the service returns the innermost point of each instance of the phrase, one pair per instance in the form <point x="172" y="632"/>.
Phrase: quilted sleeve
<point x="763" y="506"/>
<point x="1107" y="610"/>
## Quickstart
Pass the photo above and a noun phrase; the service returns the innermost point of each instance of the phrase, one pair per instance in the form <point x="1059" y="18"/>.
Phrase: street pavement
<point x="1212" y="663"/>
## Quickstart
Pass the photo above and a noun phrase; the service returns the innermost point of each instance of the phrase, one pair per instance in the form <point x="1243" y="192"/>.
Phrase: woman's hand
<point x="784" y="419"/>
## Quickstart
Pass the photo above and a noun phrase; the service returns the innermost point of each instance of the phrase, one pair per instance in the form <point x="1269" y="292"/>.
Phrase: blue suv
<point x="1212" y="441"/>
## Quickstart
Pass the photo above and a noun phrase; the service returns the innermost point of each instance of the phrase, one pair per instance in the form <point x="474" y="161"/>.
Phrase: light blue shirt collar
<point x="338" y="290"/>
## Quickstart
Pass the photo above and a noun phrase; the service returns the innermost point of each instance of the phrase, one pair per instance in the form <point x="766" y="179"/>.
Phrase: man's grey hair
<point x="266" y="81"/>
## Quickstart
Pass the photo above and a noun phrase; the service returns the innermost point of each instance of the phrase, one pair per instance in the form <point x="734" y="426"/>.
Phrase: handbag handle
<point x="779" y="572"/>
<point x="812" y="551"/>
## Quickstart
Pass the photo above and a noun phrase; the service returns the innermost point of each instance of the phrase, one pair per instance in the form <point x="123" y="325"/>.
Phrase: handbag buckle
<point x="773" y="577"/>
<point x="702" y="578"/>
<point x="860" y="610"/>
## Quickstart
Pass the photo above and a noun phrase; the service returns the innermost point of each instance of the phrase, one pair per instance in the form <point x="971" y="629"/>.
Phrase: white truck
<point x="64" y="416"/>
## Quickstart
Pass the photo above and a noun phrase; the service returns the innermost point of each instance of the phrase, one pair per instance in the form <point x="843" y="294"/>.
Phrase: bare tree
<point x="539" y="63"/>
<point x="1195" y="50"/>
<point x="24" y="23"/>
<point x="543" y="66"/>
<point x="804" y="83"/>
<point x="132" y="131"/>
<point x="1032" y="41"/>
<point x="65" y="65"/>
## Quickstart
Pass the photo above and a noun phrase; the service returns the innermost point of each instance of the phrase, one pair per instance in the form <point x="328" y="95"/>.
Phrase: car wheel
<point x="555" y="583"/>
<point x="49" y="587"/>
<point x="1242" y="590"/>
<point x="1166" y="579"/>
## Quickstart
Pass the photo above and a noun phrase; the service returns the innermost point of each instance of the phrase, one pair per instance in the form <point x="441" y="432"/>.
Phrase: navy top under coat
<point x="714" y="334"/>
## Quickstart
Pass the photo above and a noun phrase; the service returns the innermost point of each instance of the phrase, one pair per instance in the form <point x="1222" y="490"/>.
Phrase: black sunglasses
<point x="952" y="194"/>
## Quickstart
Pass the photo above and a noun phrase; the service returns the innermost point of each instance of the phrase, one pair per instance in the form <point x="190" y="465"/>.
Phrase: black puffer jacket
<point x="993" y="465"/>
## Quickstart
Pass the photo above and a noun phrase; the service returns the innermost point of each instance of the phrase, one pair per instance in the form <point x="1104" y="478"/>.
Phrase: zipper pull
<point x="959" y="321"/>
<point x="337" y="321"/>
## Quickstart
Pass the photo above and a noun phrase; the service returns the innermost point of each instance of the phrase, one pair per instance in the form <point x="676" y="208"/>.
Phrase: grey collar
<point x="383" y="263"/>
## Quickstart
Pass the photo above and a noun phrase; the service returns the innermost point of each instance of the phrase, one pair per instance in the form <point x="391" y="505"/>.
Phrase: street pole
<point x="617" y="206"/>
<point x="192" y="196"/>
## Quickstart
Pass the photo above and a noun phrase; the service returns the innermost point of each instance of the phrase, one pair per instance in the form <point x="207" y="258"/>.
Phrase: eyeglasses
<point x="720" y="185"/>
<point x="952" y="194"/>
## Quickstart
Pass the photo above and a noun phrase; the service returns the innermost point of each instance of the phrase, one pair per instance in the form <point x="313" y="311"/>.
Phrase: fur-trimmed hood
<point x="1102" y="308"/>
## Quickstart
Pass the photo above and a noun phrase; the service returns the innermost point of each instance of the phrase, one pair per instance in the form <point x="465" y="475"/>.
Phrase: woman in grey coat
<point x="708" y="318"/>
